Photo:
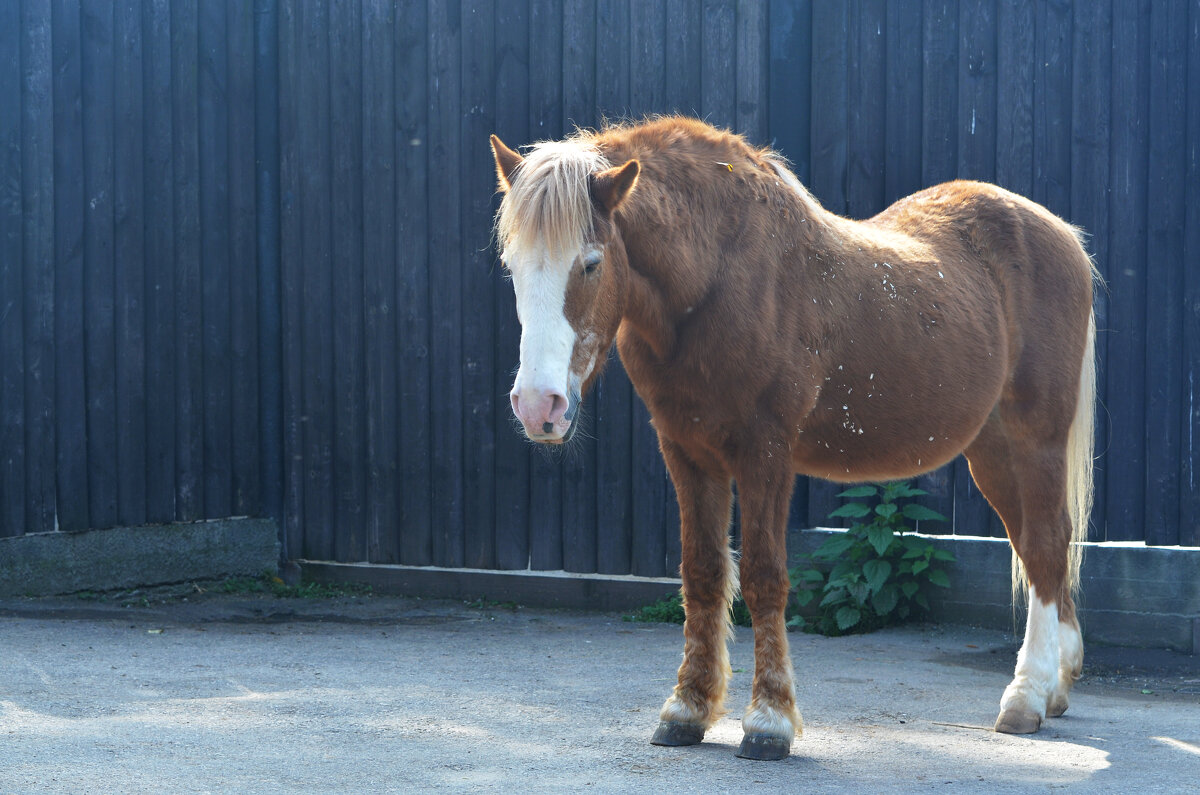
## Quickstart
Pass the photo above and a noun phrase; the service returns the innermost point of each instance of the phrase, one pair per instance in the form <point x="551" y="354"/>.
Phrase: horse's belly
<point x="869" y="432"/>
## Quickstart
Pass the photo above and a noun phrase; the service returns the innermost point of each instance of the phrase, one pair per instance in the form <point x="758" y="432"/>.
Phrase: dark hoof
<point x="673" y="734"/>
<point x="1013" y="721"/>
<point x="764" y="747"/>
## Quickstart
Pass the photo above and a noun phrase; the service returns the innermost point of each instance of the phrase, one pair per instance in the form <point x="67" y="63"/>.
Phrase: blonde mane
<point x="548" y="205"/>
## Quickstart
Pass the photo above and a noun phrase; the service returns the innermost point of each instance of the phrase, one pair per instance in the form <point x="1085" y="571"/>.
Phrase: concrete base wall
<point x="1129" y="594"/>
<point x="44" y="564"/>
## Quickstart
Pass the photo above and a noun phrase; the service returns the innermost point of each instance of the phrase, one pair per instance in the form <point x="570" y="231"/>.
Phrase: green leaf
<point x="880" y="538"/>
<point x="885" y="601"/>
<point x="834" y="546"/>
<point x="939" y="578"/>
<point x="834" y="596"/>
<point x="920" y="566"/>
<point x="943" y="554"/>
<point x="798" y="576"/>
<point x="859" y="592"/>
<point x="803" y="598"/>
<point x="851" y="510"/>
<point x="797" y="622"/>
<point x="909" y="588"/>
<point x="847" y="617"/>
<point x="876" y="572"/>
<point x="860" y="491"/>
<point x="919" y="513"/>
<point x="921" y="600"/>
<point x="916" y="549"/>
<point x="885" y="509"/>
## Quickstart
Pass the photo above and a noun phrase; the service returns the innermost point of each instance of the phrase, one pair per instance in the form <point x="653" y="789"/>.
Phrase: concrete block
<point x="1130" y="594"/>
<point x="44" y="564"/>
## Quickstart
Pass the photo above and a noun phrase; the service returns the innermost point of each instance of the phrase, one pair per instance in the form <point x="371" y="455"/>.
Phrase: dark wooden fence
<point x="245" y="261"/>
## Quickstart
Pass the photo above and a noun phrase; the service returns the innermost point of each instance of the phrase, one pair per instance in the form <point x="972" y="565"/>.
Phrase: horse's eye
<point x="591" y="262"/>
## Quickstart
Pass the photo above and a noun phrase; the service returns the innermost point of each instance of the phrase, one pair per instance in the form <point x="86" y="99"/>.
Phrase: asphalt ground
<point x="200" y="692"/>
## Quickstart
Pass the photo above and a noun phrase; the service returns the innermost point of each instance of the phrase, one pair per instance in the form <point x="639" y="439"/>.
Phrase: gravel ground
<point x="152" y="693"/>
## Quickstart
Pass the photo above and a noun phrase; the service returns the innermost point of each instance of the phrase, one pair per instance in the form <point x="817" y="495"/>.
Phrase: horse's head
<point x="568" y="268"/>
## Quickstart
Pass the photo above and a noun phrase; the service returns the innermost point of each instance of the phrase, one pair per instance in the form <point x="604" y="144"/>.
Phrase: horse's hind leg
<point x="1025" y="481"/>
<point x="709" y="583"/>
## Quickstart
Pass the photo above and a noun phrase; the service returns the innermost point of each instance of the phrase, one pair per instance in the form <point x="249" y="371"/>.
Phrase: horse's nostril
<point x="547" y="427"/>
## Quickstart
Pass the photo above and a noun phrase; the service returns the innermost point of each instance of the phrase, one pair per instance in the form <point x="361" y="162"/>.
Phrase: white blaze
<point x="547" y="339"/>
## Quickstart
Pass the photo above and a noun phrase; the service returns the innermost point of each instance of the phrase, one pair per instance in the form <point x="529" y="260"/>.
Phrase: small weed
<point x="669" y="610"/>
<point x="483" y="603"/>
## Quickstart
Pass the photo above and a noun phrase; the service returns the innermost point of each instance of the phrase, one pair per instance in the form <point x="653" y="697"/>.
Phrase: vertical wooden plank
<point x="789" y="78"/>
<point x="939" y="160"/>
<point x="902" y="155"/>
<point x="245" y="480"/>
<point x="413" y="148"/>
<point x="866" y="93"/>
<point x="1051" y="110"/>
<point x="479" y="265"/>
<point x="977" y="113"/>
<point x="718" y="63"/>
<point x="828" y="164"/>
<point x="514" y="55"/>
<point x="268" y="109"/>
<point x="1190" y="456"/>
<point x="579" y="64"/>
<point x="160" y="263"/>
<point x="215" y="267"/>
<point x="753" y="51"/>
<point x="546" y="121"/>
<point x="346" y="209"/>
<point x="291" y="162"/>
<point x="828" y="158"/>
<point x="69" y="408"/>
<point x="189" y="394"/>
<point x="683" y="47"/>
<point x="1014" y="95"/>
<point x="579" y="465"/>
<point x="647" y="57"/>
<point x="37" y="173"/>
<point x="648" y="26"/>
<point x="939" y="156"/>
<point x="612" y="58"/>
<point x="977" y="90"/>
<point x="12" y="288"/>
<point x="613" y="395"/>
<point x="1091" y="130"/>
<point x="96" y="26"/>
<point x="445" y="279"/>
<point x="1165" y="268"/>
<point x="130" y="271"/>
<point x="1125" y="466"/>
<point x="316" y="234"/>
<point x="380" y="171"/>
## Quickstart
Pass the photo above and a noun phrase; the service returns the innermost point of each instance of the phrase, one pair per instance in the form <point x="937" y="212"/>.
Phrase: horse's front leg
<point x="709" y="582"/>
<point x="771" y="721"/>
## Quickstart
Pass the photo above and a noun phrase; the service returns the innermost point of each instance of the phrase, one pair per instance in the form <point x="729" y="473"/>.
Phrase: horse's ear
<point x="611" y="187"/>
<point x="506" y="162"/>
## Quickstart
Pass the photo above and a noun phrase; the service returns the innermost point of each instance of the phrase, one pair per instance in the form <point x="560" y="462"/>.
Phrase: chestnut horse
<point x="768" y="337"/>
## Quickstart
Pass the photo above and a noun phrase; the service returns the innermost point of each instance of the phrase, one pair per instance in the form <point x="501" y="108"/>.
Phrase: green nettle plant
<point x="877" y="572"/>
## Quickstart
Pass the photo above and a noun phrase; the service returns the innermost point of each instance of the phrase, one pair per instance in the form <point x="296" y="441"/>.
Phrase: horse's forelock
<point x="548" y="206"/>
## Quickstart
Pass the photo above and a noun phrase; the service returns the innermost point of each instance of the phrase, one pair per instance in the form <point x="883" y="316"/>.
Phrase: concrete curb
<point x="561" y="589"/>
<point x="45" y="564"/>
